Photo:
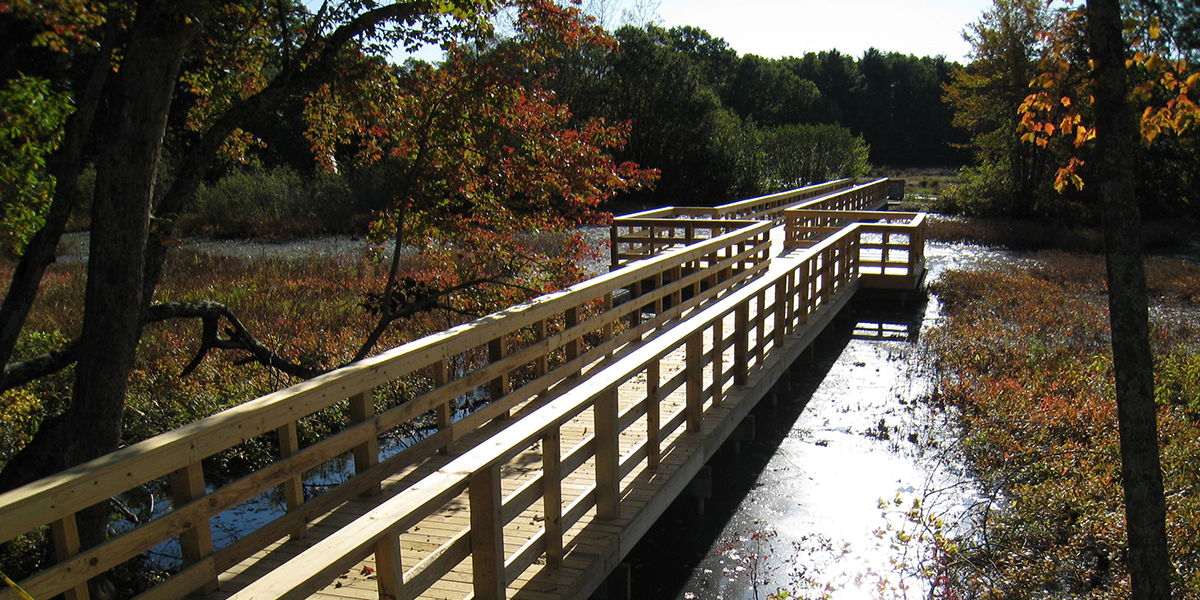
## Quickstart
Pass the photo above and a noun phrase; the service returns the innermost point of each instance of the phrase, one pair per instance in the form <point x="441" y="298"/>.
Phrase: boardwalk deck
<point x="592" y="547"/>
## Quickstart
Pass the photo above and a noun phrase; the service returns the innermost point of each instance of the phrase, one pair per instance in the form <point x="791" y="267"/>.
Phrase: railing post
<point x="293" y="489"/>
<point x="366" y="454"/>
<point x="658" y="304"/>
<point x="780" y="311"/>
<point x="653" y="422"/>
<point x="196" y="544"/>
<point x="804" y="292"/>
<point x="389" y="571"/>
<point x="65" y="533"/>
<point x="444" y="412"/>
<point x="694" y="376"/>
<point x="718" y="361"/>
<point x="826" y="275"/>
<point x="499" y="387"/>
<point x="760" y="325"/>
<point x="487" y="534"/>
<point x="741" y="342"/>
<point x="635" y="317"/>
<point x="606" y="330"/>
<point x="571" y="316"/>
<point x="541" y="365"/>
<point x="608" y="455"/>
<point x="614" y="247"/>
<point x="552" y="495"/>
<point x="677" y="295"/>
<point x="790" y="296"/>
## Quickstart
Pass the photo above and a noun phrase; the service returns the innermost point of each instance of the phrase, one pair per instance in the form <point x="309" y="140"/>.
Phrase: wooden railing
<point x="891" y="244"/>
<point x="638" y="235"/>
<point x="803" y="297"/>
<point x="533" y="350"/>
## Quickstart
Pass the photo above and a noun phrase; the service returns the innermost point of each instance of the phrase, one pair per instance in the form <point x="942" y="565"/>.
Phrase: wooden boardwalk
<point x="606" y="399"/>
<point x="592" y="547"/>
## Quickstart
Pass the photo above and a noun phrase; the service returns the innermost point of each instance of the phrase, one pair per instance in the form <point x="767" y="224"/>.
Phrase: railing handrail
<point x="670" y="212"/>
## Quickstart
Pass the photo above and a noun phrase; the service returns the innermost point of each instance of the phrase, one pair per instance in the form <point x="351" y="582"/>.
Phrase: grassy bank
<point x="1023" y="357"/>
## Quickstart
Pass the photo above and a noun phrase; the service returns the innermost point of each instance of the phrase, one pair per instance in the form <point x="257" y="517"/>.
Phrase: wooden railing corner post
<point x="389" y="570"/>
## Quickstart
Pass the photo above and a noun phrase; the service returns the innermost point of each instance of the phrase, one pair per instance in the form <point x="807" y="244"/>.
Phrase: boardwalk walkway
<point x="592" y="547"/>
<point x="606" y="399"/>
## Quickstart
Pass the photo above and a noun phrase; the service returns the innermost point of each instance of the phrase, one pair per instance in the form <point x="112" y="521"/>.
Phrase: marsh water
<point x="821" y="502"/>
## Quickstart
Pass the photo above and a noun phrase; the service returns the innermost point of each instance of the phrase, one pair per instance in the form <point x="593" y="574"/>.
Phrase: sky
<point x="778" y="28"/>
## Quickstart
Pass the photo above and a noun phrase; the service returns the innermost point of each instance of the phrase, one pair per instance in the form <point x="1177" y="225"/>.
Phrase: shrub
<point x="276" y="203"/>
<point x="799" y="155"/>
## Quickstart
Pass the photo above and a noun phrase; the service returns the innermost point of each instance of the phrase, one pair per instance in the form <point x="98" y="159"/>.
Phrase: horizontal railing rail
<point x="802" y="294"/>
<point x="531" y="351"/>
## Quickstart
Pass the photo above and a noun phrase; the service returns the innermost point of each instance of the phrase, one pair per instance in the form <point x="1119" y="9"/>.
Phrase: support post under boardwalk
<point x="487" y="535"/>
<point x="608" y="455"/>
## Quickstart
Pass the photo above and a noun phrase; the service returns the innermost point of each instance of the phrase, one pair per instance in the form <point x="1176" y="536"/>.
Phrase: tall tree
<point x="1120" y="73"/>
<point x="1133" y="363"/>
<point x="985" y="94"/>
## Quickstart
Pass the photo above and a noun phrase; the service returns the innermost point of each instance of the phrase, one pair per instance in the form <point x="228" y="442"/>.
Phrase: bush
<point x="276" y="203"/>
<point x="799" y="155"/>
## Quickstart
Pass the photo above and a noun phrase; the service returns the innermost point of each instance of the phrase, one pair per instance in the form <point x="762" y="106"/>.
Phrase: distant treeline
<point x="699" y="109"/>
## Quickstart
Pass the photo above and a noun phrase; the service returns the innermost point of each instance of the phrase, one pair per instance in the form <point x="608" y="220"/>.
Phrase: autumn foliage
<point x="1025" y="359"/>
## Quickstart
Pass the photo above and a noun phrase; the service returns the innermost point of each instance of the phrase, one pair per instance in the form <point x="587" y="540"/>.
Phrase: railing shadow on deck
<point x="548" y="360"/>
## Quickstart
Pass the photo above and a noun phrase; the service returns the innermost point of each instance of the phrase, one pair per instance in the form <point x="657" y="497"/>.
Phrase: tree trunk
<point x="1141" y="474"/>
<point x="139" y="99"/>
